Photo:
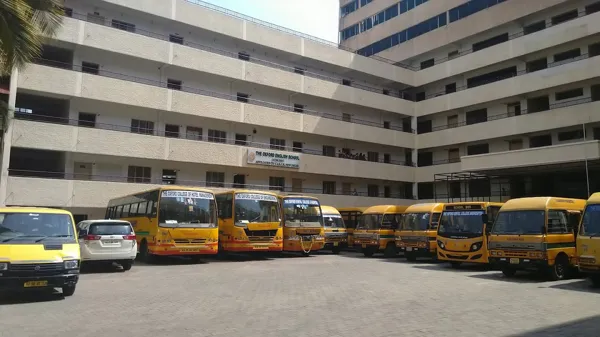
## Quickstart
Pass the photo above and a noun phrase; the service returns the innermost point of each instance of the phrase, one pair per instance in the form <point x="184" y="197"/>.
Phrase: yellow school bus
<point x="588" y="240"/>
<point x="417" y="233"/>
<point x="375" y="230"/>
<point x="249" y="221"/>
<point x="350" y="215"/>
<point x="336" y="236"/>
<point x="461" y="232"/>
<point x="302" y="224"/>
<point x="536" y="234"/>
<point x="170" y="220"/>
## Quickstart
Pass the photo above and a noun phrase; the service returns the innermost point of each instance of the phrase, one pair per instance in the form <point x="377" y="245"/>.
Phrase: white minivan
<point x="107" y="241"/>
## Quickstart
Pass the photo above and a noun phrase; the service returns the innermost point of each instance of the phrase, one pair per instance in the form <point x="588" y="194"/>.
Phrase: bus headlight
<point x="71" y="264"/>
<point x="3" y="266"/>
<point x="476" y="246"/>
<point x="441" y="244"/>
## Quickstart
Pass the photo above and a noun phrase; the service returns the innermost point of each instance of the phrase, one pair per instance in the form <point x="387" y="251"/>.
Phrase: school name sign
<point x="273" y="158"/>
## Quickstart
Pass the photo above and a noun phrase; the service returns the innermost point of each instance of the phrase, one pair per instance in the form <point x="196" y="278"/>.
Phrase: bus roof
<point x="352" y="209"/>
<point x="425" y="207"/>
<point x="483" y="204"/>
<point x="594" y="198"/>
<point x="384" y="209"/>
<point x="19" y="209"/>
<point x="542" y="203"/>
<point x="329" y="210"/>
<point x="248" y="191"/>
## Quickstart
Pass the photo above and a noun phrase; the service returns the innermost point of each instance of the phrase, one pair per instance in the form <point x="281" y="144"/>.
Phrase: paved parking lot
<point x="324" y="295"/>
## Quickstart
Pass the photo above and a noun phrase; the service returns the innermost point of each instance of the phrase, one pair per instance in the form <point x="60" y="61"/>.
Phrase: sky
<point x="314" y="17"/>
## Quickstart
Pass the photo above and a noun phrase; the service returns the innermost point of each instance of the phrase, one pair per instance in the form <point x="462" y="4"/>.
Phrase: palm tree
<point x="23" y="26"/>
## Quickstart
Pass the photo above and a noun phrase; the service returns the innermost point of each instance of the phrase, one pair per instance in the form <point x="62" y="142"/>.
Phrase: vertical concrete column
<point x="7" y="136"/>
<point x="415" y="154"/>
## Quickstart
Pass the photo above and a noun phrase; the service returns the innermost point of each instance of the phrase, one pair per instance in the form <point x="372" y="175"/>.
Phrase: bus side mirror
<point x="485" y="219"/>
<point x="220" y="214"/>
<point x="434" y="225"/>
<point x="544" y="231"/>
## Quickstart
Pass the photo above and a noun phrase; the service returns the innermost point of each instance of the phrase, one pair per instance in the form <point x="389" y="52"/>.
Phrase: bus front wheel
<point x="368" y="252"/>
<point x="560" y="270"/>
<point x="390" y="250"/>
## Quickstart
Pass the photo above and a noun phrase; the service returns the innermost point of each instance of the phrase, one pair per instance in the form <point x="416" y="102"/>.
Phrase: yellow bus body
<point x="350" y="215"/>
<point x="468" y="245"/>
<point x="517" y="242"/>
<point x="154" y="239"/>
<point x="303" y="239"/>
<point x="336" y="235"/>
<point x="250" y="236"/>
<point x="421" y="242"/>
<point x="380" y="238"/>
<point x="588" y="240"/>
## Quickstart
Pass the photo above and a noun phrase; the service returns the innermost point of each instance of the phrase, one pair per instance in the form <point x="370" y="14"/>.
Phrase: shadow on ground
<point x="25" y="297"/>
<point x="579" y="328"/>
<point x="582" y="285"/>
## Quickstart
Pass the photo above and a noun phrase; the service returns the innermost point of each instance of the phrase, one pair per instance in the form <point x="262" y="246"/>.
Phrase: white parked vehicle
<point x="107" y="241"/>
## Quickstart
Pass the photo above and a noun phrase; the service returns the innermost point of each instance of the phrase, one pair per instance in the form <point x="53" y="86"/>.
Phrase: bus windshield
<point x="255" y="208"/>
<point x="369" y="221"/>
<point x="33" y="227"/>
<point x="590" y="226"/>
<point x="189" y="209"/>
<point x="415" y="221"/>
<point x="333" y="221"/>
<point x="462" y="223"/>
<point x="519" y="222"/>
<point x="302" y="212"/>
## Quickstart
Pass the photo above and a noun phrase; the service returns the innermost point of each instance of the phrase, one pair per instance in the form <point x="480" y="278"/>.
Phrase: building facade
<point x="423" y="99"/>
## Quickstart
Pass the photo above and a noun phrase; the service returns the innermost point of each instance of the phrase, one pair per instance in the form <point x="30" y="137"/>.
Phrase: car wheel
<point x="145" y="254"/>
<point x="126" y="265"/>
<point x="68" y="290"/>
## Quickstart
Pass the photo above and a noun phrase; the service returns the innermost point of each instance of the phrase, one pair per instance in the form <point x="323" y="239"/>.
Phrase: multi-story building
<point x="133" y="94"/>
<point x="424" y="99"/>
<point x="506" y="92"/>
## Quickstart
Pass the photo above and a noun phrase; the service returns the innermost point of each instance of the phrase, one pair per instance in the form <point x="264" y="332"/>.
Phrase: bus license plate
<point x="190" y="250"/>
<point x="409" y="249"/>
<point x="335" y="244"/>
<point x="260" y="247"/>
<point x="32" y="284"/>
<point x="514" y="260"/>
<point x="364" y="245"/>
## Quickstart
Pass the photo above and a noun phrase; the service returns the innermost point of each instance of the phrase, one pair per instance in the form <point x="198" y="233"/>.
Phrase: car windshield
<point x="30" y="227"/>
<point x="416" y="221"/>
<point x="590" y="225"/>
<point x="333" y="221"/>
<point x="461" y="222"/>
<point x="302" y="212"/>
<point x="186" y="209"/>
<point x="256" y="208"/>
<point x="519" y="222"/>
<point x="110" y="228"/>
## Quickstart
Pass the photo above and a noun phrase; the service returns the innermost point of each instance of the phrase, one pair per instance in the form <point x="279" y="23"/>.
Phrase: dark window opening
<point x="373" y="156"/>
<point x="537" y="65"/>
<point x="90" y="68"/>
<point x="241" y="97"/>
<point x="373" y="190"/>
<point x="427" y="64"/>
<point x="596" y="132"/>
<point x="193" y="133"/>
<point x="569" y="54"/>
<point x="540" y="141"/>
<point x="346" y="117"/>
<point x="454" y="155"/>
<point x="593" y="8"/>
<point x="538" y="104"/>
<point x="239" y="181"/>
<point x="567" y="94"/>
<point x="387" y="192"/>
<point x="169" y="177"/>
<point x="450" y="88"/>
<point x="453" y="54"/>
<point x="329" y="151"/>
<point x="68" y="11"/>
<point x="122" y="25"/>
<point x="217" y="136"/>
<point x="139" y="174"/>
<point x="534" y="27"/>
<point x="420" y="96"/>
<point x="329" y="187"/>
<point x="243" y="56"/>
<point x="172" y="130"/>
<point x="173" y="84"/>
<point x="277" y="183"/>
<point x="570" y="135"/>
<point x="298" y="70"/>
<point x="297" y="146"/>
<point x="476" y="116"/>
<point x="386" y="124"/>
<point x="143" y="127"/>
<point x="387" y="158"/>
<point x="215" y="179"/>
<point x="346" y="82"/>
<point x="87" y="120"/>
<point x="241" y="139"/>
<point x="490" y="42"/>
<point x="386" y="92"/>
<point x="473" y="150"/>
<point x="175" y="38"/>
<point x="494" y="76"/>
<point x="298" y="108"/>
<point x="408" y="158"/>
<point x="55" y="57"/>
<point x="424" y="159"/>
<point x="454" y="189"/>
<point x="407" y="124"/>
<point x="514" y="109"/>
<point x="595" y="90"/>
<point x="570" y="15"/>
<point x="594" y="50"/>
<point x="479" y="188"/>
<point x="425" y="190"/>
<point x="277" y="144"/>
<point x="424" y="126"/>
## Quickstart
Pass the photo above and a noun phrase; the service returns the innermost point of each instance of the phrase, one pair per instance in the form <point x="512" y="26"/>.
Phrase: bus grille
<point x="44" y="269"/>
<point x="514" y="253"/>
<point x="261" y="235"/>
<point x="189" y="241"/>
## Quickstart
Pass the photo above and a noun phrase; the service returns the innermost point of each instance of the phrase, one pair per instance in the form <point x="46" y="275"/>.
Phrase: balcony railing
<point x="197" y="91"/>
<point x="177" y="135"/>
<point x="298" y="69"/>
<point x="195" y="183"/>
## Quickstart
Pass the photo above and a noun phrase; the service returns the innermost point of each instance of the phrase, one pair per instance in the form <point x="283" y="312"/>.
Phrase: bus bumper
<point x="418" y="251"/>
<point x="466" y="257"/>
<point x="518" y="263"/>
<point x="297" y="246"/>
<point x="253" y="247"/>
<point x="38" y="282"/>
<point x="589" y="269"/>
<point x="170" y="250"/>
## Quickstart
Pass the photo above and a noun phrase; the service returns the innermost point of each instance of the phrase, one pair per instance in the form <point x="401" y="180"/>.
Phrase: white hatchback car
<point x="107" y="241"/>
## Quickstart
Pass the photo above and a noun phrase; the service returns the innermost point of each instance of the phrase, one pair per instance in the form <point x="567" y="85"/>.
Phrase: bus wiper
<point x="21" y="236"/>
<point x="53" y="236"/>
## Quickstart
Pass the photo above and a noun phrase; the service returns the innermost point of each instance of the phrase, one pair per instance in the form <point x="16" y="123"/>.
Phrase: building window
<point x="452" y="121"/>
<point x="536" y="65"/>
<point x="172" y="130"/>
<point x="515" y="144"/>
<point x="87" y="120"/>
<point x="373" y="190"/>
<point x="537" y="104"/>
<point x="450" y="88"/>
<point x="387" y="192"/>
<point x="455" y="189"/>
<point x="424" y="159"/>
<point x="346" y="117"/>
<point x="594" y="49"/>
<point x="173" y="84"/>
<point x="477" y="116"/>
<point x="420" y="96"/>
<point x="567" y="94"/>
<point x="386" y="124"/>
<point x="593" y="8"/>
<point x="215" y="179"/>
<point x="513" y="109"/>
<point x="241" y="97"/>
<point x="243" y="56"/>
<point x="193" y="133"/>
<point x="491" y="77"/>
<point x="277" y="183"/>
<point x="453" y="54"/>
<point x="387" y="158"/>
<point x="298" y="108"/>
<point x="454" y="155"/>
<point x="297" y="146"/>
<point x="139" y="174"/>
<point x="479" y="188"/>
<point x="567" y="55"/>
<point x="424" y="126"/>
<point x="241" y="139"/>
<point x="90" y="68"/>
<point x="478" y="149"/>
<point x="96" y="18"/>
<point x="534" y="27"/>
<point x="386" y="92"/>
<point x="570" y="135"/>
<point x="175" y="38"/>
<point x="570" y="15"/>
<point x="373" y="156"/>
<point x="143" y="127"/>
<point x="425" y="190"/>
<point x="329" y="150"/>
<point x="122" y="25"/>
<point x="169" y="177"/>
<point x="296" y="185"/>
<point x="329" y="187"/>
<point x="540" y="141"/>
<point x="490" y="42"/>
<point x="427" y="64"/>
<point x="346" y="82"/>
<point x="277" y="144"/>
<point x="217" y="136"/>
<point x="299" y="71"/>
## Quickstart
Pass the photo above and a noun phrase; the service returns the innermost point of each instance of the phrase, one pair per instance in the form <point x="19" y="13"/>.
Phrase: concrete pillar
<point x="415" y="156"/>
<point x="7" y="137"/>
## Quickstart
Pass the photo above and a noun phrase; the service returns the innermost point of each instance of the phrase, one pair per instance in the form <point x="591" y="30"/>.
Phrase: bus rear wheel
<point x="560" y="270"/>
<point x="145" y="254"/>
